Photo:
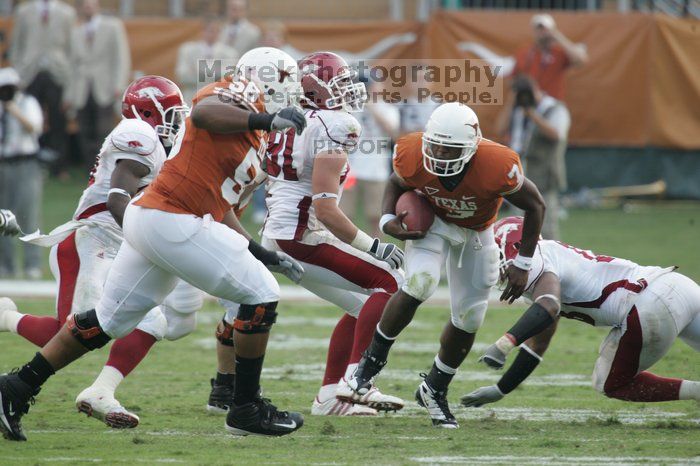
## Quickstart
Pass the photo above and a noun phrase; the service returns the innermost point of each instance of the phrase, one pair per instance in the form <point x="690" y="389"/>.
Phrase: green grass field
<point x="555" y="418"/>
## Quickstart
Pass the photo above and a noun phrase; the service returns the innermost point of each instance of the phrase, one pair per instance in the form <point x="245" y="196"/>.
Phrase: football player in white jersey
<point x="83" y="249"/>
<point x="647" y="308"/>
<point x="342" y="264"/>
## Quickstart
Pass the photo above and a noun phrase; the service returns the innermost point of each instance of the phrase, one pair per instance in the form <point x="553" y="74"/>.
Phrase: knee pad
<point x="224" y="332"/>
<point x="256" y="318"/>
<point x="86" y="329"/>
<point x="155" y="324"/>
<point x="469" y="317"/>
<point x="421" y="284"/>
<point x="179" y="324"/>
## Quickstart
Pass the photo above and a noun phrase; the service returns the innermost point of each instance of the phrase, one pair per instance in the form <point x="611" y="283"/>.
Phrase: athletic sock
<point x="374" y="358"/>
<point x="12" y="319"/>
<point x="38" y="330"/>
<point x="647" y="387"/>
<point x="247" y="382"/>
<point x="440" y="375"/>
<point x="367" y="322"/>
<point x="36" y="372"/>
<point x="339" y="348"/>
<point x="225" y="379"/>
<point x="126" y="353"/>
<point x="108" y="380"/>
<point x="689" y="390"/>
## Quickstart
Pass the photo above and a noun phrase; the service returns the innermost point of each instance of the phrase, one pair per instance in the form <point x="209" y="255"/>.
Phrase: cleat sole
<point x="113" y="420"/>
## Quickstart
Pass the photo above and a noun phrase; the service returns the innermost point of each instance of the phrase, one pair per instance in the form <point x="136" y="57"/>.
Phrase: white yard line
<point x="555" y="460"/>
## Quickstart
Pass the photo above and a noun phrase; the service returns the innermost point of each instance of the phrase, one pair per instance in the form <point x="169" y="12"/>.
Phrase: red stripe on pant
<point x="348" y="266"/>
<point x="40" y="329"/>
<point x="623" y="381"/>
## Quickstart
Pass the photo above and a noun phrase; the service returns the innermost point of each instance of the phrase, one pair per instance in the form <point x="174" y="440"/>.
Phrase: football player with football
<point x="465" y="177"/>
<point x="83" y="250"/>
<point x="182" y="226"/>
<point x="647" y="308"/>
<point x="342" y="264"/>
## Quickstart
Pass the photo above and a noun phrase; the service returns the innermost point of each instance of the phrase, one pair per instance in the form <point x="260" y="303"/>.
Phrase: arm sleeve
<point x="405" y="159"/>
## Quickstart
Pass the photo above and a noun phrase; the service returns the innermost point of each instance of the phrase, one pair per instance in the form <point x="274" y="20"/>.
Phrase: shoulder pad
<point x="135" y="136"/>
<point x="341" y="127"/>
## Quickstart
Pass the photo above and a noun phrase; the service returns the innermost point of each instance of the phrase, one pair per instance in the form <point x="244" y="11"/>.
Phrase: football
<point x="420" y="214"/>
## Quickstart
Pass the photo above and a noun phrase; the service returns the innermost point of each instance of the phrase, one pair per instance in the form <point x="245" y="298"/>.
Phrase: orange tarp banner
<point x="640" y="88"/>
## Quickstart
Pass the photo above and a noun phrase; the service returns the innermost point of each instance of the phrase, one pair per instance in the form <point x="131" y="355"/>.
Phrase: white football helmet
<point x="276" y="74"/>
<point x="450" y="139"/>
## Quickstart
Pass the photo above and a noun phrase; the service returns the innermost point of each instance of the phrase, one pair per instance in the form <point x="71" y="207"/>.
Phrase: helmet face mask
<point x="173" y="120"/>
<point x="348" y="95"/>
<point x="442" y="158"/>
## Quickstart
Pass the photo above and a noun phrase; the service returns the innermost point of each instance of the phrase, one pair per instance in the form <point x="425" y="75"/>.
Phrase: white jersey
<point x="248" y="177"/>
<point x="131" y="139"/>
<point x="289" y="165"/>
<point x="599" y="290"/>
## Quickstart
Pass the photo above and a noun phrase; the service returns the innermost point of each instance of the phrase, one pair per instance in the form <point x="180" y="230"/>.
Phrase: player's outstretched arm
<point x="529" y="357"/>
<point x="539" y="316"/>
<point x="275" y="261"/>
<point x="123" y="186"/>
<point x="222" y="116"/>
<point x="529" y="199"/>
<point x="391" y="222"/>
<point x="325" y="183"/>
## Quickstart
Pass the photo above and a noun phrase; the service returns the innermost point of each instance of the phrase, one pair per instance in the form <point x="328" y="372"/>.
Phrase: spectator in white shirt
<point x="238" y="32"/>
<point x="190" y="73"/>
<point x="21" y="178"/>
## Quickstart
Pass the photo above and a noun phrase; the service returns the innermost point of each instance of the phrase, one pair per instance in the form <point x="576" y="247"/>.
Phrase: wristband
<point x="522" y="262"/>
<point x="386" y="218"/>
<point x="362" y="241"/>
<point x="261" y="121"/>
<point x="123" y="192"/>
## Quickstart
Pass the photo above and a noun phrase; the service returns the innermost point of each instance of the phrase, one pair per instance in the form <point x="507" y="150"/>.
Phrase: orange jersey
<point x="493" y="172"/>
<point x="202" y="174"/>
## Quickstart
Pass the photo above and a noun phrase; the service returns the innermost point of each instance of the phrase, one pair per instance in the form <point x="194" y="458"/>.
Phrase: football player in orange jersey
<point x="465" y="177"/>
<point x="183" y="226"/>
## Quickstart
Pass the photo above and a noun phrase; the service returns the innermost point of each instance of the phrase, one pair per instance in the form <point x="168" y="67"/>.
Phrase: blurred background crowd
<point x="607" y="88"/>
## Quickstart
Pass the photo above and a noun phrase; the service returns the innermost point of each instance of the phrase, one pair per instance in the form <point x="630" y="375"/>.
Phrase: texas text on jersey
<point x="199" y="176"/>
<point x="289" y="164"/>
<point x="470" y="199"/>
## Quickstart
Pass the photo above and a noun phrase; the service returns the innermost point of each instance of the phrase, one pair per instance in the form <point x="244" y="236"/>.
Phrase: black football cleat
<point x="435" y="401"/>
<point x="261" y="417"/>
<point x="15" y="398"/>
<point x="220" y="398"/>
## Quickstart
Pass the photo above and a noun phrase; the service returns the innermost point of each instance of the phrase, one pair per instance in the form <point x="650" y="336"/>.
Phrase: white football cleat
<point x="372" y="398"/>
<point x="7" y="306"/>
<point x="103" y="406"/>
<point x="335" y="407"/>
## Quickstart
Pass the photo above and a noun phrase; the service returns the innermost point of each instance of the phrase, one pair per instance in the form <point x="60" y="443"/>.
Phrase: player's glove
<point x="8" y="224"/>
<point x="290" y="117"/>
<point x="277" y="262"/>
<point x="493" y="357"/>
<point x="481" y="396"/>
<point x="387" y="252"/>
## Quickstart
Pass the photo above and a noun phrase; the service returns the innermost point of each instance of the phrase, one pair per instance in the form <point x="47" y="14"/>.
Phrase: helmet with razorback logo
<point x="327" y="80"/>
<point x="157" y="101"/>
<point x="509" y="233"/>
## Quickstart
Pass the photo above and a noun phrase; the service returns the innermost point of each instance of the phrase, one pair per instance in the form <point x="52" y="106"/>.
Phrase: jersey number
<point x="279" y="156"/>
<point x="241" y="185"/>
<point x="516" y="173"/>
<point x="587" y="254"/>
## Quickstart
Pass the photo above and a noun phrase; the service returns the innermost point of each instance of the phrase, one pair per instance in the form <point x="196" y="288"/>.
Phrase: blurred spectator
<point x="208" y="48"/>
<point x="40" y="50"/>
<point x="539" y="129"/>
<point x="238" y="32"/>
<point x="101" y="64"/>
<point x="416" y="109"/>
<point x="547" y="59"/>
<point x="370" y="165"/>
<point x="21" y="179"/>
